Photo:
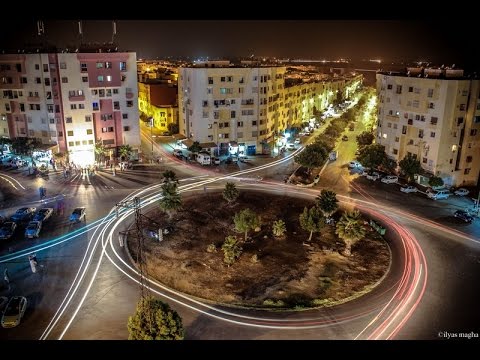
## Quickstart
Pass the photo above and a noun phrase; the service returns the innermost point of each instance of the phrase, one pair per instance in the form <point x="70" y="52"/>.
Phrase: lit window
<point x="100" y="78"/>
<point x="109" y="78"/>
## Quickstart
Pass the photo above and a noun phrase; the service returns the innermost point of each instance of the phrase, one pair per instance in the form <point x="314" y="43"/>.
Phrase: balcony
<point x="77" y="98"/>
<point x="33" y="98"/>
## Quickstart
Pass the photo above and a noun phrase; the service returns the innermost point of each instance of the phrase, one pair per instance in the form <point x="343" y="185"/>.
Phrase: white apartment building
<point x="72" y="100"/>
<point x="433" y="114"/>
<point x="247" y="108"/>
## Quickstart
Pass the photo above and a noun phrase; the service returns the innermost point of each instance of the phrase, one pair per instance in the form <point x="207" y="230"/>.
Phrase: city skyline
<point x="388" y="40"/>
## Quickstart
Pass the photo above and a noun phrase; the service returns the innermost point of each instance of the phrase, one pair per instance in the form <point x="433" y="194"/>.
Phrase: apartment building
<point x="247" y="108"/>
<point x="72" y="100"/>
<point x="433" y="114"/>
<point x="158" y="100"/>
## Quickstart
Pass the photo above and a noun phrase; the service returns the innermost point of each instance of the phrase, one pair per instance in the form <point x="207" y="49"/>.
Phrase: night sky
<point x="439" y="41"/>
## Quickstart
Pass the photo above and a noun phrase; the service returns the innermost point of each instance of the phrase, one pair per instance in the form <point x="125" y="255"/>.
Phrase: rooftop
<point x="444" y="73"/>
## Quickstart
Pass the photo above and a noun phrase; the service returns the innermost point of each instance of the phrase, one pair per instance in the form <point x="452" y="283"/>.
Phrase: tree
<point x="435" y="181"/>
<point x="410" y="166"/>
<point x="313" y="156"/>
<point x="231" y="250"/>
<point x="170" y="176"/>
<point x="230" y="192"/>
<point x="246" y="220"/>
<point x="171" y="200"/>
<point x="195" y="148"/>
<point x="350" y="229"/>
<point x="365" y="138"/>
<point x="100" y="150"/>
<point x="371" y="156"/>
<point x="155" y="320"/>
<point x="338" y="99"/>
<point x="26" y="146"/>
<point x="327" y="202"/>
<point x="173" y="128"/>
<point x="125" y="151"/>
<point x="389" y="164"/>
<point x="279" y="228"/>
<point x="311" y="220"/>
<point x="3" y="142"/>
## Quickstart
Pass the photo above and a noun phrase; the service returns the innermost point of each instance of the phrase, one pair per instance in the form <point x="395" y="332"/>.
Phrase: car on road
<point x="43" y="214"/>
<point x="178" y="153"/>
<point x="344" y="138"/>
<point x="408" y="189"/>
<point x="291" y="147"/>
<point x="166" y="133"/>
<point x="463" y="215"/>
<point x="390" y="179"/>
<point x="33" y="229"/>
<point x="373" y="176"/>
<point x="438" y="195"/>
<point x="77" y="215"/>
<point x="245" y="159"/>
<point x="461" y="192"/>
<point x="297" y="141"/>
<point x="216" y="161"/>
<point x="354" y="164"/>
<point x="23" y="214"/>
<point x="13" y="313"/>
<point x="7" y="230"/>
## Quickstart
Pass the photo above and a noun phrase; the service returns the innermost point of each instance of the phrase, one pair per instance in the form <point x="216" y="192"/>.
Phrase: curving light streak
<point x="9" y="179"/>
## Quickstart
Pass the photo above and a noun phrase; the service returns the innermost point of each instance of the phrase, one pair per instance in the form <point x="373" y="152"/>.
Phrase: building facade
<point x="433" y="114"/>
<point x="248" y="108"/>
<point x="158" y="101"/>
<point x="72" y="100"/>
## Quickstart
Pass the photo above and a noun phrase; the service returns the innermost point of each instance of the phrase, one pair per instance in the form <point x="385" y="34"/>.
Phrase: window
<point x="70" y="133"/>
<point x="83" y="67"/>
<point x="469" y="159"/>
<point x="116" y="105"/>
<point x="254" y="123"/>
<point x="81" y="106"/>
<point x="459" y="121"/>
<point x="420" y="133"/>
<point x="240" y="135"/>
<point x="229" y="78"/>
<point x="476" y="119"/>
<point x="126" y="128"/>
<point x="64" y="80"/>
<point x="38" y="80"/>
<point x="124" y="116"/>
<point x="88" y="118"/>
<point x="89" y="132"/>
<point x="101" y="92"/>
<point x="108" y="65"/>
<point x="84" y="78"/>
<point x="389" y="125"/>
<point x="100" y="78"/>
<point x="397" y="139"/>
<point x="57" y="108"/>
<point x="95" y="106"/>
<point x="240" y="90"/>
<point x="94" y="92"/>
<point x="205" y="114"/>
<point x="254" y="133"/>
<point x="466" y="171"/>
<point x="71" y="143"/>
<point x="109" y="78"/>
<point x="47" y="82"/>
<point x="240" y="123"/>
<point x="22" y="107"/>
<point x="90" y="142"/>
<point x="430" y="93"/>
<point x="129" y="103"/>
<point x="464" y="92"/>
<point x="23" y="80"/>
<point x="222" y="79"/>
<point x="205" y="103"/>
<point x="399" y="89"/>
<point x="77" y="143"/>
<point x="99" y="65"/>
<point x="73" y="106"/>
<point x="84" y="142"/>
<point x="404" y="130"/>
<point x="123" y="66"/>
<point x="68" y="120"/>
<point x="432" y="134"/>
<point x="45" y="67"/>
<point x="463" y="107"/>
<point x="232" y="114"/>
<point x="63" y="65"/>
<point x="106" y="117"/>
<point x="50" y="108"/>
<point x="410" y="89"/>
<point x="431" y="105"/>
<point x="389" y="86"/>
<point x="37" y="67"/>
<point x="473" y="132"/>
<point x="424" y="160"/>
<point x="52" y="121"/>
<point x="60" y="134"/>
<point x="433" y="120"/>
<point x="210" y="80"/>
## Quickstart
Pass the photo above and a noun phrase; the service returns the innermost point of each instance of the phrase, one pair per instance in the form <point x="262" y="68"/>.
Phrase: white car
<point x="33" y="229"/>
<point x="374" y="176"/>
<point x="291" y="147"/>
<point x="354" y="164"/>
<point x="13" y="313"/>
<point x="408" y="189"/>
<point x="390" y="179"/>
<point x="297" y="141"/>
<point x="461" y="192"/>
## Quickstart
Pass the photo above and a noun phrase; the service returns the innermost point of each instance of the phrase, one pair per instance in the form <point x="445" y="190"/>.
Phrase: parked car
<point x="245" y="159"/>
<point x="297" y="141"/>
<point x="13" y="313"/>
<point x="390" y="179"/>
<point x="463" y="215"/>
<point x="354" y="164"/>
<point x="408" y="189"/>
<point x="7" y="230"/>
<point x="373" y="176"/>
<point x="77" y="215"/>
<point x="43" y="214"/>
<point x="438" y="195"/>
<point x="33" y="229"/>
<point x="178" y="153"/>
<point x="23" y="214"/>
<point x="166" y="133"/>
<point x="461" y="192"/>
<point x="344" y="138"/>
<point x="216" y="161"/>
<point x="291" y="147"/>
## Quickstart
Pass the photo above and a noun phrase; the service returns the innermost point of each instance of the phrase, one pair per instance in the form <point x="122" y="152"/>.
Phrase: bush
<point x="211" y="248"/>
<point x="254" y="258"/>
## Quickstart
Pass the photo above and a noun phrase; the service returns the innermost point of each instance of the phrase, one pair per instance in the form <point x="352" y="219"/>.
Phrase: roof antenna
<point x="80" y="31"/>
<point x="114" y="23"/>
<point x="40" y="28"/>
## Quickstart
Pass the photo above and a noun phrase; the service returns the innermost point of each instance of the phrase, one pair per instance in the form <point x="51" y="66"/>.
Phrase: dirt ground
<point x="290" y="272"/>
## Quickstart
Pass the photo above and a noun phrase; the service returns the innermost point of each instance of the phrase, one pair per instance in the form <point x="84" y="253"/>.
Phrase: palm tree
<point x="125" y="151"/>
<point x="311" y="220"/>
<point x="100" y="150"/>
<point x="170" y="176"/>
<point x="350" y="229"/>
<point x="171" y="200"/>
<point x="279" y="228"/>
<point x="231" y="250"/>
<point x="327" y="202"/>
<point x="246" y="220"/>
<point x="230" y="192"/>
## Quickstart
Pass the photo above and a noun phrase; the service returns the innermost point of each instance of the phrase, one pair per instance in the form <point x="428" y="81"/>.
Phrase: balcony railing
<point x="33" y="98"/>
<point x="76" y="98"/>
